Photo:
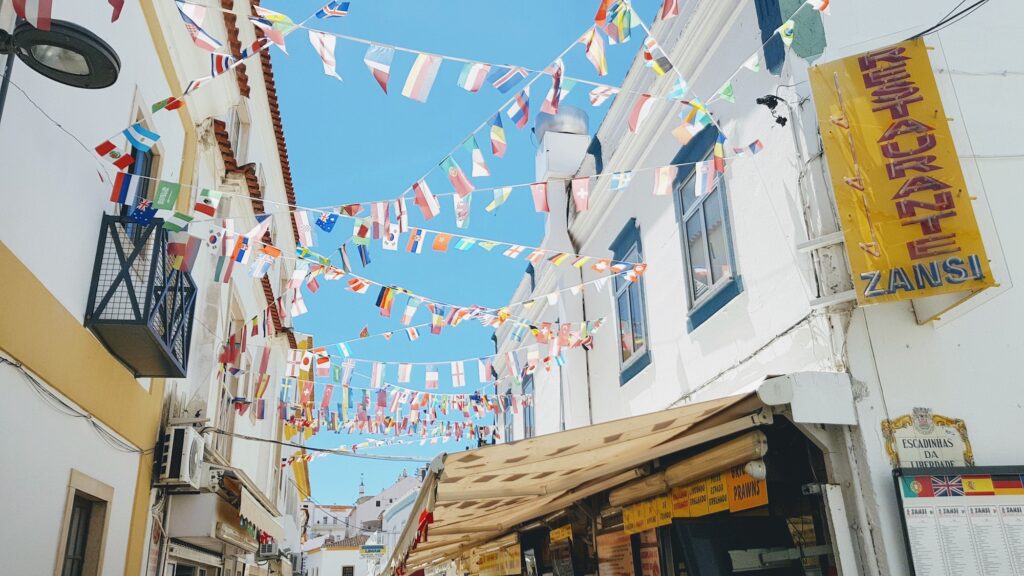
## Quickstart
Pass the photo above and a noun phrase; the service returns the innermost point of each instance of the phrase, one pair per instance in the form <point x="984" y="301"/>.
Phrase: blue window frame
<point x="529" y="418"/>
<point x="630" y="306"/>
<point x="710" y="262"/>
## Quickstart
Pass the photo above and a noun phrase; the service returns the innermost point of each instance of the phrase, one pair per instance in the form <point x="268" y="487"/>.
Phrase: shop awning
<point x="478" y="495"/>
<point x="253" y="511"/>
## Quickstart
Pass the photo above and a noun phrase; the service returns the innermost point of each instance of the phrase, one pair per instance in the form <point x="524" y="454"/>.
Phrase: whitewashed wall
<point x="39" y="448"/>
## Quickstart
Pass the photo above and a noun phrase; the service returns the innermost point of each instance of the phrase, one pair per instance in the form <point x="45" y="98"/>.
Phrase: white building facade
<point x="749" y="279"/>
<point x="102" y="413"/>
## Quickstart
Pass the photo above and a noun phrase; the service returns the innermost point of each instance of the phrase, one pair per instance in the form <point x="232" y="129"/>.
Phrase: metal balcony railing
<point x="139" y="306"/>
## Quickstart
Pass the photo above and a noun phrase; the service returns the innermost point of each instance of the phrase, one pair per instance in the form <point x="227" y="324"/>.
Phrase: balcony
<point x="140" y="307"/>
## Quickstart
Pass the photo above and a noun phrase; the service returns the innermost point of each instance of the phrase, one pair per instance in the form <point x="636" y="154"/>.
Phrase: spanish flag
<point x="978" y="485"/>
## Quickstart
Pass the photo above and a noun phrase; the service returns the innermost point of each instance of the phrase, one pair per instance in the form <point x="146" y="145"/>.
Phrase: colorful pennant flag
<point x="820" y="5"/>
<point x="323" y="43"/>
<point x="458" y="374"/>
<point x="431" y="378"/>
<point x="620" y="22"/>
<point x="378" y="60"/>
<point x="550" y="104"/>
<point x="404" y="372"/>
<point x="126" y="188"/>
<point x="620" y="181"/>
<point x="581" y="193"/>
<point x="333" y="9"/>
<point x="678" y="91"/>
<point x="220" y="63"/>
<point x="472" y="76"/>
<point x="425" y="200"/>
<point x="140" y="138"/>
<point x="719" y="153"/>
<point x="421" y="77"/>
<point x="206" y="203"/>
<point x="479" y="166"/>
<point x="660" y="64"/>
<point x="514" y="251"/>
<point x="726" y="92"/>
<point x="505" y="78"/>
<point x="385" y="298"/>
<point x="497" y="137"/>
<point x="641" y="109"/>
<point x="305" y="231"/>
<point x="415" y="241"/>
<point x="519" y="111"/>
<point x="539" y="190"/>
<point x="704" y="178"/>
<point x="441" y="241"/>
<point x="273" y="24"/>
<point x="327" y="220"/>
<point x="664" y="178"/>
<point x="669" y="9"/>
<point x="177" y="222"/>
<point x="787" y="32"/>
<point x="456" y="176"/>
<point x="601" y="93"/>
<point x="462" y="210"/>
<point x="595" y="51"/>
<point x="390" y="239"/>
<point x="753" y="63"/>
<point x="193" y="15"/>
<point x="410" y="310"/>
<point x="500" y="196"/>
<point x="377" y="375"/>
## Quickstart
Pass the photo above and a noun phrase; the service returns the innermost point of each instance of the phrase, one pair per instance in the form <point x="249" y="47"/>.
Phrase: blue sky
<point x="349" y="142"/>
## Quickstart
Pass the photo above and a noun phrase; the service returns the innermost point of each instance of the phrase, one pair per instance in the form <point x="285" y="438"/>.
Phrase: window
<point x="529" y="430"/>
<point x="378" y="503"/>
<point x="84" y="526"/>
<point x="507" y="417"/>
<point x="348" y="570"/>
<point x="630" y="306"/>
<point x="703" y="209"/>
<point x="238" y="131"/>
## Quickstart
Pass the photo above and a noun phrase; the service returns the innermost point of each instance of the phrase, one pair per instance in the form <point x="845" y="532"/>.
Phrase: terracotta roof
<point x="352" y="542"/>
<point x="248" y="171"/>
<point x="231" y="24"/>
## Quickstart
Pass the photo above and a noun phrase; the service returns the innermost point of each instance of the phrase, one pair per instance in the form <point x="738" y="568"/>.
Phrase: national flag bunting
<point x="601" y="93"/>
<point x="550" y="104"/>
<point x="458" y="374"/>
<point x="497" y="137"/>
<point x="539" y="190"/>
<point x="726" y="92"/>
<point x="719" y="153"/>
<point x="519" y="111"/>
<point x="323" y="44"/>
<point x="125" y="188"/>
<point x="421" y="77"/>
<point x="670" y="9"/>
<point x="177" y="222"/>
<point x="302" y="226"/>
<point x="594" y="45"/>
<point x="109" y="151"/>
<point x="787" y="32"/>
<point x="581" y="193"/>
<point x="479" y="166"/>
<point x="415" y="241"/>
<point x="441" y="241"/>
<point x="139" y="137"/>
<point x="220" y="63"/>
<point x="193" y="15"/>
<point x="378" y="59"/>
<point x="505" y="78"/>
<point x="641" y="109"/>
<point x="620" y="181"/>
<point x="820" y="5"/>
<point x="472" y="76"/>
<point x="500" y="196"/>
<point x="462" y="210"/>
<point x="664" y="178"/>
<point x="206" y="203"/>
<point x="678" y="91"/>
<point x="426" y="200"/>
<point x="456" y="176"/>
<point x="35" y="12"/>
<point x="333" y="9"/>
<point x="326" y="221"/>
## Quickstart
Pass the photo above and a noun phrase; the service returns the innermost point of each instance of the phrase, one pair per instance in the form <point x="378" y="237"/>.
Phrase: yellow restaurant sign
<point x="561" y="533"/>
<point x="733" y="490"/>
<point x="905" y="210"/>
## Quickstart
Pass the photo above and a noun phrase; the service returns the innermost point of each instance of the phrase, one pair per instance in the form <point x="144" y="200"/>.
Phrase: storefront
<point x="749" y="483"/>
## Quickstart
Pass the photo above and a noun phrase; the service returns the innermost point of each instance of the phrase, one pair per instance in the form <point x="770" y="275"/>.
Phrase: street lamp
<point x="67" y="53"/>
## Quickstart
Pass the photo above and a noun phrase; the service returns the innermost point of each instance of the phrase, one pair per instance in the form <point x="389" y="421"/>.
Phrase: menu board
<point x="650" y="561"/>
<point x="614" y="554"/>
<point x="561" y="558"/>
<point x="963" y="520"/>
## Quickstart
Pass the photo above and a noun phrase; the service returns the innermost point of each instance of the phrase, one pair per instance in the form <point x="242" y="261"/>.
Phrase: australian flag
<point x="326" y="221"/>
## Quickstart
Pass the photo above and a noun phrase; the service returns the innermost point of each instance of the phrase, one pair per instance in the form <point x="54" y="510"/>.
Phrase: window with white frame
<point x="238" y="131"/>
<point x="630" y="305"/>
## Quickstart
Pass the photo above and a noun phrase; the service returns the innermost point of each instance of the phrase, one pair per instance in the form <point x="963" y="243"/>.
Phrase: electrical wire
<point x="947" y="20"/>
<point x="58" y="404"/>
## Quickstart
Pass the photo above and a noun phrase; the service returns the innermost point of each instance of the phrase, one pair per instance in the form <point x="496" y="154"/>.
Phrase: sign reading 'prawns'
<point x="906" y="213"/>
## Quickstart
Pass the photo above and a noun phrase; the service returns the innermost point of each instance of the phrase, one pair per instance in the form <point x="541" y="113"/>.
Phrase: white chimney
<point x="564" y="139"/>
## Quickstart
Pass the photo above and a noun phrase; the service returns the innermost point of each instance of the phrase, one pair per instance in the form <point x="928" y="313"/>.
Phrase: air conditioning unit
<point x="182" y="458"/>
<point x="267" y="551"/>
<point x="209" y="478"/>
<point x="296" y="558"/>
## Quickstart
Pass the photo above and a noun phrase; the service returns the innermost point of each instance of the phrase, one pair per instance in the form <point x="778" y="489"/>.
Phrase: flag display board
<point x="906" y="213"/>
<point x="962" y="520"/>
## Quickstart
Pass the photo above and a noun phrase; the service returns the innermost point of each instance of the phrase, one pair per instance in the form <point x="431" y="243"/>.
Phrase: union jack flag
<point x="947" y="486"/>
